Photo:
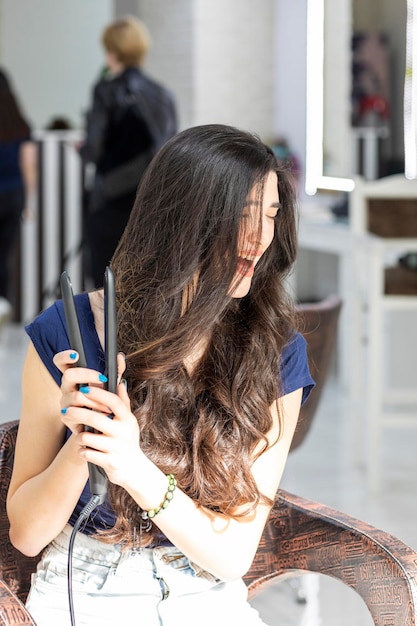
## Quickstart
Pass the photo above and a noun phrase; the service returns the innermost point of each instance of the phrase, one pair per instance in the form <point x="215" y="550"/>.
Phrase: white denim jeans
<point x="112" y="586"/>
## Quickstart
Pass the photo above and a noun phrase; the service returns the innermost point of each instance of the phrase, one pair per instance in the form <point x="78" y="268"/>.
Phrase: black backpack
<point x="133" y="94"/>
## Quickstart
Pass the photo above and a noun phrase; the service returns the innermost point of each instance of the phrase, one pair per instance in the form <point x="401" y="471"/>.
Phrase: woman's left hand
<point x="116" y="445"/>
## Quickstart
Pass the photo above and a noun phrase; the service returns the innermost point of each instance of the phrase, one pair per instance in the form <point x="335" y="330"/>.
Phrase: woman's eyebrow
<point x="275" y="205"/>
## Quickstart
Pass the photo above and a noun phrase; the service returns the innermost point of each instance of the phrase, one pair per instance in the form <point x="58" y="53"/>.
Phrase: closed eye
<point x="273" y="210"/>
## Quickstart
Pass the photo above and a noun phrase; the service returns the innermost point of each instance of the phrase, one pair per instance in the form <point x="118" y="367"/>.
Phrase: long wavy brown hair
<point x="173" y="268"/>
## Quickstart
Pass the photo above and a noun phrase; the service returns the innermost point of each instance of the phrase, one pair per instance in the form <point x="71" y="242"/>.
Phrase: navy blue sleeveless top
<point x="49" y="335"/>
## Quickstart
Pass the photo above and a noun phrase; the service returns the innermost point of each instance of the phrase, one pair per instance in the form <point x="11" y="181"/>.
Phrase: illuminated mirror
<point x="333" y="138"/>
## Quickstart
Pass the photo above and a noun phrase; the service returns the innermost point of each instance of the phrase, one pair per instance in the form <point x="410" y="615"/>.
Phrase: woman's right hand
<point x="73" y="378"/>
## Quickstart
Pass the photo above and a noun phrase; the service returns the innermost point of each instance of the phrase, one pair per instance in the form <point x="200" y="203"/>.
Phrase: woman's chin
<point x="242" y="288"/>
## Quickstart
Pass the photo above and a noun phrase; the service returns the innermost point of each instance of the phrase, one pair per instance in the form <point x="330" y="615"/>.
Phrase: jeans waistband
<point x="113" y="554"/>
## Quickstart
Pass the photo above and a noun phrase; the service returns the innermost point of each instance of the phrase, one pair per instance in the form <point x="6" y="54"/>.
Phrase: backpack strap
<point x="153" y="104"/>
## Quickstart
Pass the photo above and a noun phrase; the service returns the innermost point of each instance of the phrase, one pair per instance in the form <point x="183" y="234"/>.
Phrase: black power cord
<point x="87" y="510"/>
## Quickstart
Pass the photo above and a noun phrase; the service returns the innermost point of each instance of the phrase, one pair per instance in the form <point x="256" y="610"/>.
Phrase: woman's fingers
<point x="78" y="386"/>
<point x="110" y="441"/>
<point x="65" y="359"/>
<point x="110" y="402"/>
<point x="92" y="406"/>
<point x="84" y="417"/>
<point x="121" y="365"/>
<point x="122" y="393"/>
<point x="116" y="448"/>
<point x="73" y="377"/>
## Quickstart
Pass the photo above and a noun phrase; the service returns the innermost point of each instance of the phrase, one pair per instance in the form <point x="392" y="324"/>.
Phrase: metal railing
<point x="51" y="237"/>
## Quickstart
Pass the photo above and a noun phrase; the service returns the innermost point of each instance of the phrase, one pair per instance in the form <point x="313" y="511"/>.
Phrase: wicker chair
<point x="319" y="325"/>
<point x="300" y="536"/>
<point x="15" y="568"/>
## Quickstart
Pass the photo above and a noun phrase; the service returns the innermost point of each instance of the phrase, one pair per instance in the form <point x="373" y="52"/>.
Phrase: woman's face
<point x="255" y="240"/>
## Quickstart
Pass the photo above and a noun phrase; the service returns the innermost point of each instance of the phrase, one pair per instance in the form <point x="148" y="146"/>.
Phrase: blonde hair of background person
<point x="214" y="375"/>
<point x="18" y="177"/>
<point x="127" y="40"/>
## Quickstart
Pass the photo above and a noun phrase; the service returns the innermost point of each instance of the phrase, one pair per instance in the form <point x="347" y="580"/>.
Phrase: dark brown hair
<point x="180" y="246"/>
<point x="13" y="125"/>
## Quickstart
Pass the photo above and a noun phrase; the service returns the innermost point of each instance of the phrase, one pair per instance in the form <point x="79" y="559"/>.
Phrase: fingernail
<point x="64" y="410"/>
<point x="102" y="378"/>
<point x="85" y="389"/>
<point x="123" y="355"/>
<point x="73" y="355"/>
<point x="124" y="382"/>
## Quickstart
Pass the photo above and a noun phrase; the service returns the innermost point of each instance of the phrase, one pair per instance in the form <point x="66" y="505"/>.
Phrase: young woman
<point x="213" y="377"/>
<point x="18" y="170"/>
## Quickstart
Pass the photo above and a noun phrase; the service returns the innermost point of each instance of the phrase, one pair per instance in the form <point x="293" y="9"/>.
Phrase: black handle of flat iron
<point x="97" y="476"/>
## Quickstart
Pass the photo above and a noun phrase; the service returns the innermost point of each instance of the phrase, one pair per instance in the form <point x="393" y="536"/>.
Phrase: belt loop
<point x="157" y="554"/>
<point x="164" y="587"/>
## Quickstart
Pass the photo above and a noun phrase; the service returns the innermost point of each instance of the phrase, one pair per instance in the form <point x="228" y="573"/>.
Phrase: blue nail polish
<point x="64" y="410"/>
<point x="102" y="378"/>
<point x="73" y="355"/>
<point x="85" y="389"/>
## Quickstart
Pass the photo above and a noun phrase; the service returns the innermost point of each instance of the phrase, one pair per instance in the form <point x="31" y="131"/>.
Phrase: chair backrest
<point x="319" y="324"/>
<point x="305" y="536"/>
<point x="15" y="568"/>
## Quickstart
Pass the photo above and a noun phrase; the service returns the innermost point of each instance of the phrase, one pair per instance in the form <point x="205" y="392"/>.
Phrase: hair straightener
<point x="97" y="476"/>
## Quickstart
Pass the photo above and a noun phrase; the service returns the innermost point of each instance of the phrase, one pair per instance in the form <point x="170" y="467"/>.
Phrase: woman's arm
<point x="226" y="547"/>
<point x="223" y="546"/>
<point x="48" y="477"/>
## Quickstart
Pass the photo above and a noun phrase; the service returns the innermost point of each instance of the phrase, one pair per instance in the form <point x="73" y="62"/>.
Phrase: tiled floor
<point x="321" y="469"/>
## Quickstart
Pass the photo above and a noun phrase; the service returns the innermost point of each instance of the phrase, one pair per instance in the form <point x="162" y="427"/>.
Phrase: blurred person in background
<point x="18" y="174"/>
<point x="131" y="117"/>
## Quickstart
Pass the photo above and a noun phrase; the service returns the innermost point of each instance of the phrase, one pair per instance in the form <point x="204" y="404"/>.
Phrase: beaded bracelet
<point x="172" y="483"/>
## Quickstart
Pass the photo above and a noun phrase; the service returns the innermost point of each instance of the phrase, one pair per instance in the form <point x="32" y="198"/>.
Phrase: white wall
<point x="52" y="51"/>
<point x="170" y="59"/>
<point x="234" y="64"/>
<point x="218" y="58"/>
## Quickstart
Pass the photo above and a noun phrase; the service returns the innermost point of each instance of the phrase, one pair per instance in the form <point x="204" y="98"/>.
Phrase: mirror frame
<point x="314" y="165"/>
<point x="314" y="174"/>
<point x="410" y="93"/>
